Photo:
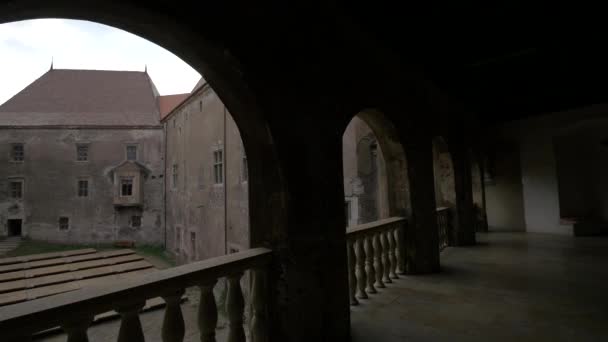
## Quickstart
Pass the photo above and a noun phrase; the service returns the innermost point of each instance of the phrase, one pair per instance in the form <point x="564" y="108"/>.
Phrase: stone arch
<point x="392" y="163"/>
<point x="443" y="168"/>
<point x="266" y="196"/>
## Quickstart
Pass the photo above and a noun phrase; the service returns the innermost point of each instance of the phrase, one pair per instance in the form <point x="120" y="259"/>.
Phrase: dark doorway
<point x="14" y="227"/>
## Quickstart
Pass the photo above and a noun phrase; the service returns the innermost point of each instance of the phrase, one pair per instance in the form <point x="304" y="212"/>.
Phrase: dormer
<point x="128" y="180"/>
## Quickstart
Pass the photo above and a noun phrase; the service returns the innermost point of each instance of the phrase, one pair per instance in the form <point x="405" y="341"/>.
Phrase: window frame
<point x="174" y="175"/>
<point x="122" y="183"/>
<point x="133" y="220"/>
<point x="218" y="167"/>
<point x="11" y="191"/>
<point x="67" y="223"/>
<point x="13" y="154"/>
<point x="136" y="150"/>
<point x="78" y="147"/>
<point x="79" y="188"/>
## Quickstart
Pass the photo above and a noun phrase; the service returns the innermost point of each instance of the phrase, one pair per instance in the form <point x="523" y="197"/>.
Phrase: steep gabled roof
<point x="84" y="98"/>
<point x="167" y="103"/>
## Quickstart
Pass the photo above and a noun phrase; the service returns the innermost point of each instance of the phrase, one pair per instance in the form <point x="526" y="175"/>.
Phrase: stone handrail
<point x="74" y="311"/>
<point x="444" y="226"/>
<point x="375" y="256"/>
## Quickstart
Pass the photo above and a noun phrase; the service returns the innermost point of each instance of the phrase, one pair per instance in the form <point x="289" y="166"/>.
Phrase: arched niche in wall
<point x="443" y="167"/>
<point x="375" y="169"/>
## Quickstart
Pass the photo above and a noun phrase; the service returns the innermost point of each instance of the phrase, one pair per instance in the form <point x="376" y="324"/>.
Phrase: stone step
<point x="44" y="256"/>
<point x="64" y="260"/>
<point x="35" y="293"/>
<point x="11" y="286"/>
<point x="72" y="267"/>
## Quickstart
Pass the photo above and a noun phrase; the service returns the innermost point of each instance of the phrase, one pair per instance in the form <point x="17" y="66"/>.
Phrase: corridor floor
<point x="510" y="287"/>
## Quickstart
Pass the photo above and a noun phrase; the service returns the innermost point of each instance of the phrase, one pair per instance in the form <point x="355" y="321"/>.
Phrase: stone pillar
<point x="464" y="231"/>
<point x="313" y="301"/>
<point x="421" y="234"/>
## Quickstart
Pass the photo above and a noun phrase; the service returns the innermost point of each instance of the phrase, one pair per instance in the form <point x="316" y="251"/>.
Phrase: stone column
<point x="421" y="234"/>
<point x="464" y="232"/>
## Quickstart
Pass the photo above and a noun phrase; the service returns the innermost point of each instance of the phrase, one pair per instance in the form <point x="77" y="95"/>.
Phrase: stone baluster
<point x="258" y="329"/>
<point x="352" y="278"/>
<point x="130" y="326"/>
<point x="173" y="322"/>
<point x="234" y="306"/>
<point x="77" y="329"/>
<point x="392" y="245"/>
<point x="399" y="252"/>
<point x="369" y="264"/>
<point x="378" y="261"/>
<point x="385" y="259"/>
<point x="207" y="312"/>
<point x="360" y="269"/>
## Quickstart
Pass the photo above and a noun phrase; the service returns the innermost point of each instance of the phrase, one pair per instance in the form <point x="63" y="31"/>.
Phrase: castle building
<point x="82" y="159"/>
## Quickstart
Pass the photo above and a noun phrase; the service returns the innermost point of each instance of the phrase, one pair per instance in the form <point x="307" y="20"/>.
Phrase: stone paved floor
<point x="511" y="287"/>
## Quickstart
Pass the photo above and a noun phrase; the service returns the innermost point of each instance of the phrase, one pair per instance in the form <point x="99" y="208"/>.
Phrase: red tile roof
<point x="84" y="98"/>
<point x="167" y="103"/>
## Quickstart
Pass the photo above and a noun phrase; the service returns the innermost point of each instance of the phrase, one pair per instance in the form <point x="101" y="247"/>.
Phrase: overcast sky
<point x="26" y="49"/>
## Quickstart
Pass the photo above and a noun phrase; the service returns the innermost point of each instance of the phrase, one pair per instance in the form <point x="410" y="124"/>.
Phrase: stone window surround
<point x="218" y="165"/>
<point x="63" y="221"/>
<point x="131" y="145"/>
<point x="87" y="188"/>
<point x="11" y="156"/>
<point x="14" y="180"/>
<point x="79" y="145"/>
<point x="126" y="186"/>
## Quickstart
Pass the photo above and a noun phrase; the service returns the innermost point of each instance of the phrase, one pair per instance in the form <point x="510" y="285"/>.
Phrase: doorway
<point x="14" y="227"/>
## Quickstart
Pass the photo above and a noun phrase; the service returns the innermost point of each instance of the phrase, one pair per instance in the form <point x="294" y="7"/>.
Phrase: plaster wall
<point x="50" y="174"/>
<point x="201" y="213"/>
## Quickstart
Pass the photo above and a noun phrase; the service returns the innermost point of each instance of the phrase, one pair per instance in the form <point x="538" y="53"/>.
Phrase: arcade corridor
<point x="510" y="287"/>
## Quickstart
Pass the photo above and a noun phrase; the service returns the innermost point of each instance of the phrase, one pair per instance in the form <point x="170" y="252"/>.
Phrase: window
<point x="218" y="166"/>
<point x="16" y="189"/>
<point x="131" y="152"/>
<point x="135" y="221"/>
<point x="193" y="244"/>
<point x="64" y="223"/>
<point x="17" y="152"/>
<point x="83" y="188"/>
<point x="245" y="171"/>
<point x="126" y="186"/>
<point x="200" y="106"/>
<point x="82" y="152"/>
<point x="174" y="176"/>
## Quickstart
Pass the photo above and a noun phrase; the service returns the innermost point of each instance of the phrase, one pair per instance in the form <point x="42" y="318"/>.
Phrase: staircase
<point x="9" y="244"/>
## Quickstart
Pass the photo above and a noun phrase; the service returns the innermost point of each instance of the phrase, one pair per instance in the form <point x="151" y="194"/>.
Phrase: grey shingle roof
<point x="84" y="98"/>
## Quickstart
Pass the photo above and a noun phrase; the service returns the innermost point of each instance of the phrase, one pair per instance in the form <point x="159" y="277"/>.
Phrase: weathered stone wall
<point x="195" y="206"/>
<point x="51" y="173"/>
<point x="443" y="168"/>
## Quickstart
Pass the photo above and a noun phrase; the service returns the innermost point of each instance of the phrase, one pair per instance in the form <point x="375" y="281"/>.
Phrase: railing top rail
<point x="49" y="312"/>
<point x="375" y="225"/>
<point x="442" y="208"/>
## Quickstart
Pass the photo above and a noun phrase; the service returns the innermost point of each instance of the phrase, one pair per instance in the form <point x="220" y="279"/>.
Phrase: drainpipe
<point x="225" y="186"/>
<point x="165" y="184"/>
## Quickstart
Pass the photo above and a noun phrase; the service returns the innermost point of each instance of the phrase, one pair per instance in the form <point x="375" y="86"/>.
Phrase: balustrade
<point x="444" y="226"/>
<point x="74" y="311"/>
<point x="375" y="251"/>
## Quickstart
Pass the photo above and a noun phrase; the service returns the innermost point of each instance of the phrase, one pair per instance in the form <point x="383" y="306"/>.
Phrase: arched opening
<point x="213" y="159"/>
<point x="479" y="201"/>
<point x="374" y="168"/>
<point x="445" y="191"/>
<point x="376" y="203"/>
